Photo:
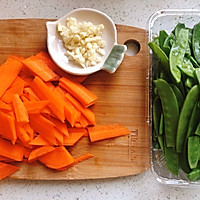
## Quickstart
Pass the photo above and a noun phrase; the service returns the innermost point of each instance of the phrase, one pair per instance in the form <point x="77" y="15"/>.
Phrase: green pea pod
<point x="194" y="175"/>
<point x="185" y="115"/>
<point x="168" y="43"/>
<point x="197" y="74"/>
<point x="169" y="105"/>
<point x="156" y="40"/>
<point x="172" y="161"/>
<point x="193" y="61"/>
<point x="177" y="29"/>
<point x="197" y="131"/>
<point x="161" y="125"/>
<point x="196" y="42"/>
<point x="164" y="62"/>
<point x="156" y="114"/>
<point x="193" y="151"/>
<point x="177" y="54"/>
<point x="179" y="96"/>
<point x="160" y="54"/>
<point x="190" y="82"/>
<point x="187" y="68"/>
<point x="194" y="119"/>
<point x="162" y="37"/>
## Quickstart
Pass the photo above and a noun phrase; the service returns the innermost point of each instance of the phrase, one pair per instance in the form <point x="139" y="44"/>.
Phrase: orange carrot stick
<point x="44" y="93"/>
<point x="7" y="127"/>
<point x="40" y="141"/>
<point x="47" y="59"/>
<point x="57" y="158"/>
<point x="7" y="97"/>
<point x="75" y="134"/>
<point x="22" y="134"/>
<point x="90" y="116"/>
<point x="35" y="107"/>
<point x="4" y="106"/>
<point x="9" y="72"/>
<point x="15" y="152"/>
<point x="19" y="109"/>
<point x="40" y="68"/>
<point x="101" y="132"/>
<point x="43" y="126"/>
<point x="77" y="160"/>
<point x="7" y="169"/>
<point x="85" y="96"/>
<point x="36" y="153"/>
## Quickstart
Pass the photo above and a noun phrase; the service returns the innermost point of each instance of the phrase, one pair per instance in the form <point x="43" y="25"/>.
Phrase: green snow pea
<point x="161" y="125"/>
<point x="157" y="108"/>
<point x="193" y="151"/>
<point x="197" y="74"/>
<point x="194" y="175"/>
<point x="172" y="161"/>
<point x="162" y="37"/>
<point x="193" y="61"/>
<point x="179" y="96"/>
<point x="185" y="115"/>
<point x="197" y="131"/>
<point x="187" y="68"/>
<point x="168" y="43"/>
<point x="177" y="54"/>
<point x="169" y="106"/>
<point x="177" y="29"/>
<point x="196" y="42"/>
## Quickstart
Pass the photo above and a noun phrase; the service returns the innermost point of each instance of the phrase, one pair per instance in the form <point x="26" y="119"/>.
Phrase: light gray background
<point x="143" y="186"/>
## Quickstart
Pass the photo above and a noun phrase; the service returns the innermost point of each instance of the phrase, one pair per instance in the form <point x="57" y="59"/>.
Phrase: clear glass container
<point x="167" y="20"/>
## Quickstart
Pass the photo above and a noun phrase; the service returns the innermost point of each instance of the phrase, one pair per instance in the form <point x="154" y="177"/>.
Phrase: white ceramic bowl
<point x="57" y="50"/>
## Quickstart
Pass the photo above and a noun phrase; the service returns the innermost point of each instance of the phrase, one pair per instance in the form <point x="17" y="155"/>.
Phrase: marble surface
<point x="142" y="186"/>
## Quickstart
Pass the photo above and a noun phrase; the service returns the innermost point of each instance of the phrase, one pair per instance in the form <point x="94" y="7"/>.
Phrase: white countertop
<point x="142" y="186"/>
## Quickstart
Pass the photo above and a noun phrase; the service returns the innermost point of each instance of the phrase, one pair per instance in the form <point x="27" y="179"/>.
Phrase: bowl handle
<point x="115" y="58"/>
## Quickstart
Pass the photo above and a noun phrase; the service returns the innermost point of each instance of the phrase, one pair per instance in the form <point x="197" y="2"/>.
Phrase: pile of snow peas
<point x="176" y="98"/>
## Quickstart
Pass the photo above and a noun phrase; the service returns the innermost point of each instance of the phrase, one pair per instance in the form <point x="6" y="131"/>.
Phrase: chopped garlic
<point x="83" y="41"/>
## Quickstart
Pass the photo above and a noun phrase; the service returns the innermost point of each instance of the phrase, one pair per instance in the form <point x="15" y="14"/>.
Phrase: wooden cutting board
<point x="122" y="97"/>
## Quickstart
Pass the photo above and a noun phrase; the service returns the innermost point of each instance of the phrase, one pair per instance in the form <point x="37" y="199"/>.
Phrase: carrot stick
<point x="40" y="141"/>
<point x="85" y="111"/>
<point x="7" y="127"/>
<point x="9" y="72"/>
<point x="7" y="97"/>
<point x="22" y="134"/>
<point x="44" y="93"/>
<point x="4" y="106"/>
<point x="19" y="109"/>
<point x="40" y="68"/>
<point x="35" y="107"/>
<point x="8" y="150"/>
<point x="47" y="59"/>
<point x="101" y="132"/>
<point x="59" y="137"/>
<point x="71" y="113"/>
<point x="85" y="96"/>
<point x="62" y="127"/>
<point x="31" y="94"/>
<point x="77" y="160"/>
<point x="57" y="158"/>
<point x="43" y="126"/>
<point x="75" y="134"/>
<point x="36" y="153"/>
<point x="7" y="169"/>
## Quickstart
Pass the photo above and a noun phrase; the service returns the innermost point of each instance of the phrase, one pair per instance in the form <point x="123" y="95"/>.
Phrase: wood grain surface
<point x="122" y="97"/>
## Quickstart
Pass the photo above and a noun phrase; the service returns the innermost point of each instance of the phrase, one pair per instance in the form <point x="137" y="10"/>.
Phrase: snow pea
<point x="196" y="42"/>
<point x="156" y="113"/>
<point x="187" y="68"/>
<point x="185" y="115"/>
<point x="177" y="54"/>
<point x="179" y="96"/>
<point x="169" y="106"/>
<point x="168" y="43"/>
<point x="197" y="74"/>
<point x="193" y="151"/>
<point x="172" y="161"/>
<point x="194" y="175"/>
<point x="162" y="37"/>
<point x="197" y="131"/>
<point x="177" y="28"/>
<point x="161" y="125"/>
<point x="193" y="61"/>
